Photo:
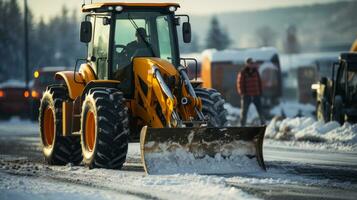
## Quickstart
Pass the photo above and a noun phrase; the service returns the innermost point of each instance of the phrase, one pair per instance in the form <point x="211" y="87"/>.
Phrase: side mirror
<point x="86" y="32"/>
<point x="186" y="32"/>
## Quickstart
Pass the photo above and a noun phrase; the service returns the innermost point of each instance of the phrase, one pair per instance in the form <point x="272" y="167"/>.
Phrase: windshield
<point x="142" y="34"/>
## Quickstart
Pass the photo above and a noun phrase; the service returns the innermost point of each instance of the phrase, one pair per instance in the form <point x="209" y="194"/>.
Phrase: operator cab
<point x="120" y="32"/>
<point x="346" y="83"/>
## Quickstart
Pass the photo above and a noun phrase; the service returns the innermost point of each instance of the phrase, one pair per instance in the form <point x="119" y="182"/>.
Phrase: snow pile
<point x="179" y="160"/>
<point x="285" y="109"/>
<point x="292" y="109"/>
<point x="309" y="130"/>
<point x="233" y="114"/>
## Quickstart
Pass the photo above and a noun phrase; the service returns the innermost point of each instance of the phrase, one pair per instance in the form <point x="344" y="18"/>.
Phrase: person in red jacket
<point x="249" y="87"/>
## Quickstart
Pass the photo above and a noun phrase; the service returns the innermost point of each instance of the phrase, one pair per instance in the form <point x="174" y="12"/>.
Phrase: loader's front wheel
<point x="57" y="149"/>
<point x="212" y="106"/>
<point x="104" y="129"/>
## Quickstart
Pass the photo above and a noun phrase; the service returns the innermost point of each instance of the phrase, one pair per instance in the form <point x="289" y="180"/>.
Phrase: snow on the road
<point x="17" y="126"/>
<point x="179" y="186"/>
<point x="307" y="132"/>
<point x="37" y="188"/>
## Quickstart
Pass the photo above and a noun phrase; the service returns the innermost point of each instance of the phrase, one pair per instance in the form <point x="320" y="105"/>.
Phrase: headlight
<point x="119" y="8"/>
<point x="172" y="8"/>
<point x="26" y="94"/>
<point x="36" y="74"/>
<point x="34" y="94"/>
<point x="2" y="93"/>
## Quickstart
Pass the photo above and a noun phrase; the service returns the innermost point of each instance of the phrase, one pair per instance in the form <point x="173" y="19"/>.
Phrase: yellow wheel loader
<point x="132" y="87"/>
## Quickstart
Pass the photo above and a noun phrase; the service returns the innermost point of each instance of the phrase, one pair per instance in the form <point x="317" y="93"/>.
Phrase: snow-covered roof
<point x="196" y="56"/>
<point x="53" y="68"/>
<point x="240" y="55"/>
<point x="305" y="59"/>
<point x="12" y="83"/>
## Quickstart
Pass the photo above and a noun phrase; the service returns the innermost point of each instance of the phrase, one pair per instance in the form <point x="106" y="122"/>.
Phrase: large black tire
<point x="4" y="116"/>
<point x="60" y="150"/>
<point x="104" y="129"/>
<point x="337" y="110"/>
<point x="35" y="109"/>
<point x="212" y="106"/>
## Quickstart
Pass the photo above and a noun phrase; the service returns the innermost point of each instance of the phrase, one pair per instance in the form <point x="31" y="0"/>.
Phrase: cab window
<point x="100" y="48"/>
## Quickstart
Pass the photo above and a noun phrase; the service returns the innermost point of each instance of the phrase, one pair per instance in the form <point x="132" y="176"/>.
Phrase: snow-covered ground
<point x="17" y="126"/>
<point x="305" y="132"/>
<point x="287" y="129"/>
<point x="304" y="158"/>
<point x="287" y="109"/>
<point x="36" y="180"/>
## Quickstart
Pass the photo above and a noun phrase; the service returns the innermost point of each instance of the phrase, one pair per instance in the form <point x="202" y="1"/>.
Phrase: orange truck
<point x="220" y="68"/>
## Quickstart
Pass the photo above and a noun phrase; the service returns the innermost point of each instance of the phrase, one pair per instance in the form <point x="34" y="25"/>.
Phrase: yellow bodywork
<point x="76" y="84"/>
<point x="159" y="105"/>
<point x="206" y="72"/>
<point x="354" y="46"/>
<point x="74" y="88"/>
<point x="144" y="104"/>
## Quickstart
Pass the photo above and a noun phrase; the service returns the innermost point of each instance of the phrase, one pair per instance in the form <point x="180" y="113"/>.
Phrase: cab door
<point x="98" y="52"/>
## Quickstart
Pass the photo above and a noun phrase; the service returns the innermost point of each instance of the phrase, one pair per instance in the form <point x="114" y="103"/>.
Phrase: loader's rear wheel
<point x="212" y="106"/>
<point x="57" y="150"/>
<point x="104" y="129"/>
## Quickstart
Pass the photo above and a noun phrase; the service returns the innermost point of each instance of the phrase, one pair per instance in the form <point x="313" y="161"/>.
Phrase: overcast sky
<point x="48" y="8"/>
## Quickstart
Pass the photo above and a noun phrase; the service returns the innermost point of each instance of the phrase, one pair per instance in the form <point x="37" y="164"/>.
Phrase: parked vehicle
<point x="310" y="74"/>
<point x="14" y="99"/>
<point x="336" y="97"/>
<point x="220" y="68"/>
<point x="43" y="77"/>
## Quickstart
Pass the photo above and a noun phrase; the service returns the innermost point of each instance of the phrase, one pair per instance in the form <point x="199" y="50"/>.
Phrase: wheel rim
<point x="90" y="131"/>
<point x="49" y="127"/>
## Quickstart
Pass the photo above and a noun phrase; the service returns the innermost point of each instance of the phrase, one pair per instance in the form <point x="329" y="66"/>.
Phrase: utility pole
<point x="26" y="47"/>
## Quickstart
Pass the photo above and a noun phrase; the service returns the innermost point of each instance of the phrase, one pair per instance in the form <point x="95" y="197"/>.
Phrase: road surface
<point x="293" y="173"/>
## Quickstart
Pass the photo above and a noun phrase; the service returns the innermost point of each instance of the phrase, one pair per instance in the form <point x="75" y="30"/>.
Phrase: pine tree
<point x="191" y="47"/>
<point x="291" y="43"/>
<point x="217" y="37"/>
<point x="266" y="36"/>
<point x="11" y="39"/>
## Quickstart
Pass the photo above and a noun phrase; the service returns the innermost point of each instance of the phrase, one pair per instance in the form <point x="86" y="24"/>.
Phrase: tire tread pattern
<point x="212" y="106"/>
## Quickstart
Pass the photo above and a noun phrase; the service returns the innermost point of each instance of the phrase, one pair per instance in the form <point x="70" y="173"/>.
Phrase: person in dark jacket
<point x="249" y="88"/>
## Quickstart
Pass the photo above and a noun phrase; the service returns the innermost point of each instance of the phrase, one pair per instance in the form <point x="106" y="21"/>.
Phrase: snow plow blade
<point x="202" y="150"/>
